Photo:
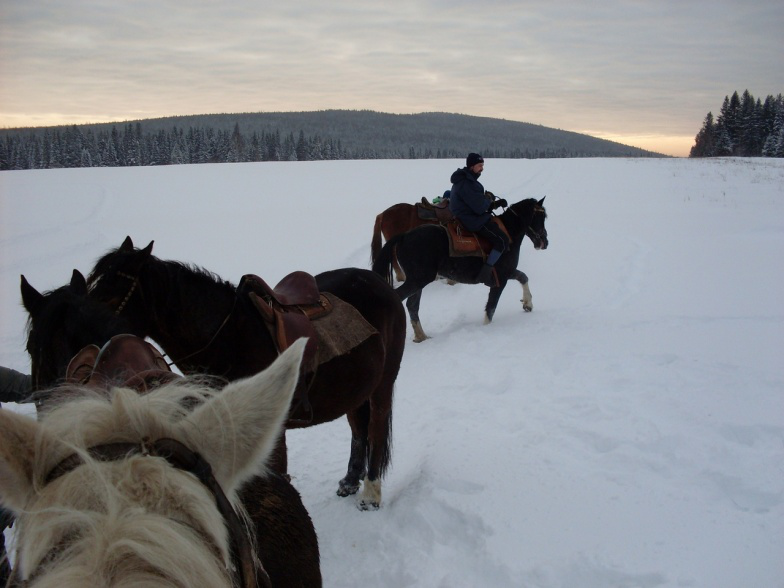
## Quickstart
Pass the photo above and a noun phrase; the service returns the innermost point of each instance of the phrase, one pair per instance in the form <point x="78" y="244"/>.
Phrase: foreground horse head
<point x="60" y="323"/>
<point x="98" y="500"/>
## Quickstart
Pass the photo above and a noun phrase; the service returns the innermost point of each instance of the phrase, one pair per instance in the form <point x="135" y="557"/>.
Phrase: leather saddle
<point x="125" y="360"/>
<point x="463" y="242"/>
<point x="287" y="310"/>
<point x="437" y="213"/>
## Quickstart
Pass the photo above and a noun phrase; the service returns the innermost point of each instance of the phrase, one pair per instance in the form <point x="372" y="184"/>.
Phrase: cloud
<point x="633" y="67"/>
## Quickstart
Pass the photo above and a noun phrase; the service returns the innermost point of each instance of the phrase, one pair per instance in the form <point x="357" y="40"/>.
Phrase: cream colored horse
<point x="136" y="520"/>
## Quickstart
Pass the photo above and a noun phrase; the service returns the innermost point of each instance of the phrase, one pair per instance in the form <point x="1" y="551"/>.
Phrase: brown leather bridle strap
<point x="247" y="568"/>
<point x="135" y="282"/>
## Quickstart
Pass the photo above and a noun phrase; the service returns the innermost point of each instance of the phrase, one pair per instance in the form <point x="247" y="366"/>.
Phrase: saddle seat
<point x="437" y="213"/>
<point x="289" y="308"/>
<point x="125" y="360"/>
<point x="463" y="242"/>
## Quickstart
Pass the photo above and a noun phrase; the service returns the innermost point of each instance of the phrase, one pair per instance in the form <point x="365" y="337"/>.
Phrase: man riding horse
<point x="472" y="205"/>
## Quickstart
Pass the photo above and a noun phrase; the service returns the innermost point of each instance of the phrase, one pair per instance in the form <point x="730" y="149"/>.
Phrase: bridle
<point x="247" y="569"/>
<point x="135" y="283"/>
<point x="532" y="233"/>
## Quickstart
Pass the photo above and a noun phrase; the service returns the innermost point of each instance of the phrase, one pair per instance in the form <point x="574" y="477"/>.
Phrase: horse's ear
<point x="148" y="250"/>
<point x="17" y="458"/>
<point x="31" y="297"/>
<point x="541" y="202"/>
<point x="78" y="283"/>
<point x="237" y="429"/>
<point x="127" y="245"/>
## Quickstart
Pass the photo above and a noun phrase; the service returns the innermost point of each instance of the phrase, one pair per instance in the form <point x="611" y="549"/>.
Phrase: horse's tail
<point x="383" y="262"/>
<point x="375" y="243"/>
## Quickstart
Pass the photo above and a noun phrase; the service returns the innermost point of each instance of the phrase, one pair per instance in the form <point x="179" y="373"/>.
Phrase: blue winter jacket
<point x="468" y="201"/>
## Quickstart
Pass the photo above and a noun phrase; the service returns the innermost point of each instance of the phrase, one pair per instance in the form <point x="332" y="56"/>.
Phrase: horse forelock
<point x="139" y="515"/>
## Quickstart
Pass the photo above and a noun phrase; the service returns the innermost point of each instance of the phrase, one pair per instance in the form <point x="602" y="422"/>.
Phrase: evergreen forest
<point x="294" y="136"/>
<point x="745" y="127"/>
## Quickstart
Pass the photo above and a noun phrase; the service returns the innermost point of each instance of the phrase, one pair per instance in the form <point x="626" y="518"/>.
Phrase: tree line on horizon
<point x="75" y="146"/>
<point x="745" y="127"/>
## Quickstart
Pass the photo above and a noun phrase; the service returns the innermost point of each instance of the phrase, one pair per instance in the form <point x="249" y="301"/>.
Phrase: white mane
<point x="137" y="521"/>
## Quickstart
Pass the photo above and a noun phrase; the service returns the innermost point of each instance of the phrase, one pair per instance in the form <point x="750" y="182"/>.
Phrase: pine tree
<point x="704" y="142"/>
<point x="302" y="147"/>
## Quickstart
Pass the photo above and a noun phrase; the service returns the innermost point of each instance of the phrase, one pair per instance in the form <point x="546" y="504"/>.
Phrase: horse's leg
<point x="412" y="295"/>
<point x="492" y="301"/>
<point x="380" y="442"/>
<point x="358" y="420"/>
<point x="412" y="303"/>
<point x="400" y="275"/>
<point x="527" y="300"/>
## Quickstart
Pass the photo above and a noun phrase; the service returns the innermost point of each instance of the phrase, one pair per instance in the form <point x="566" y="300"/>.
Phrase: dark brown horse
<point x="424" y="254"/>
<point x="206" y="326"/>
<point x="398" y="219"/>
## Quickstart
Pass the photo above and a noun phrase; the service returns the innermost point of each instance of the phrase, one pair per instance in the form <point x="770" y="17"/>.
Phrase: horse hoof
<point x="347" y="489"/>
<point x="527" y="306"/>
<point x="366" y="505"/>
<point x="420" y="339"/>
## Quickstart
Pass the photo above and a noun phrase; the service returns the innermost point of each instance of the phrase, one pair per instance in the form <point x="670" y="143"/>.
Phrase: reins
<point x="212" y="339"/>
<point x="135" y="283"/>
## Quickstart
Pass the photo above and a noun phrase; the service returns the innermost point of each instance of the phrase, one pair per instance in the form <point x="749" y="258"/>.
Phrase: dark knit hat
<point x="473" y="159"/>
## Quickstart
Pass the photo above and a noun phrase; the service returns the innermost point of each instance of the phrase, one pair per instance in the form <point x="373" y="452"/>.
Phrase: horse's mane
<point x="81" y="521"/>
<point x="172" y="268"/>
<point x="529" y="205"/>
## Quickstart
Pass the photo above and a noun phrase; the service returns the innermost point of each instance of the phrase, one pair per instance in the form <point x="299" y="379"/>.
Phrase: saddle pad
<point x="341" y="330"/>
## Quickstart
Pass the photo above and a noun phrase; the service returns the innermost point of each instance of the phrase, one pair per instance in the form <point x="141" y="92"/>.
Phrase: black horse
<point x="60" y="323"/>
<point x="423" y="253"/>
<point x="206" y="326"/>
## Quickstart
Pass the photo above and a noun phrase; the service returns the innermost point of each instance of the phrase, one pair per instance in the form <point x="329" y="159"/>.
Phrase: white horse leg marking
<point x="419" y="334"/>
<point x="527" y="300"/>
<point x="370" y="498"/>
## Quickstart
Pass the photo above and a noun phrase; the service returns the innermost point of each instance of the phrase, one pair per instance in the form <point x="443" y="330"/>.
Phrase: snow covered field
<point x="629" y="432"/>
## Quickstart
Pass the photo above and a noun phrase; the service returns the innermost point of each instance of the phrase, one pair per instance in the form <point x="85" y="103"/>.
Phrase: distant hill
<point x="265" y="136"/>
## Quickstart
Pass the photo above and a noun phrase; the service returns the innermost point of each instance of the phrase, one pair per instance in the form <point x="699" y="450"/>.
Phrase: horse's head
<point x="139" y="488"/>
<point x="60" y="323"/>
<point x="114" y="280"/>
<point x="536" y="230"/>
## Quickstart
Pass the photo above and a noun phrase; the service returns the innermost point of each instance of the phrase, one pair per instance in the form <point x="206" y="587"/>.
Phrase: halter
<point x="247" y="568"/>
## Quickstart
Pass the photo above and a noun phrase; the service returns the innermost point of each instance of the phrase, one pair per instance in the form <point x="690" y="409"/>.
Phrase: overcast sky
<point x="639" y="72"/>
